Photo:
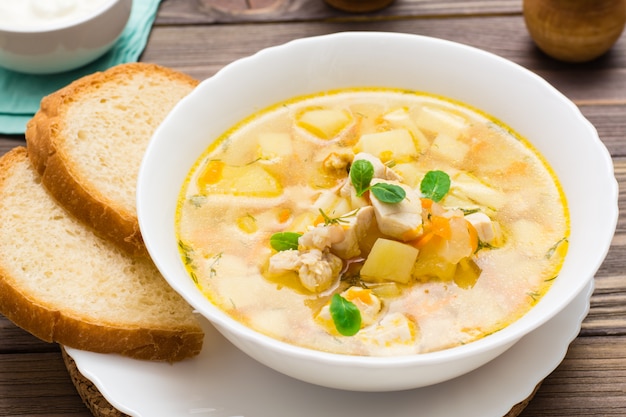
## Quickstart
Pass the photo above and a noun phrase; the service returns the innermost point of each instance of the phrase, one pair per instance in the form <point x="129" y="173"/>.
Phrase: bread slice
<point x="87" y="141"/>
<point x="62" y="283"/>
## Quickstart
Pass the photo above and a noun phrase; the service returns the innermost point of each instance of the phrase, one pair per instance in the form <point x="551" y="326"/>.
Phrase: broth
<point x="458" y="231"/>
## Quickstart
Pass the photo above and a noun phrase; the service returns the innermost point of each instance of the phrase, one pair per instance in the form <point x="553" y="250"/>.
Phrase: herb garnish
<point x="285" y="241"/>
<point x="336" y="220"/>
<point x="345" y="315"/>
<point x="554" y="247"/>
<point x="435" y="185"/>
<point x="388" y="193"/>
<point x="361" y="175"/>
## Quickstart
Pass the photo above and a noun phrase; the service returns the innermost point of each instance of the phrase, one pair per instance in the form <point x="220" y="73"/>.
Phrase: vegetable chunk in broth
<point x="372" y="222"/>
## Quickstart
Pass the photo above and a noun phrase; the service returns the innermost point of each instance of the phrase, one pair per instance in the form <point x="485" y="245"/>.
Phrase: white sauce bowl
<point x="52" y="44"/>
<point x="516" y="96"/>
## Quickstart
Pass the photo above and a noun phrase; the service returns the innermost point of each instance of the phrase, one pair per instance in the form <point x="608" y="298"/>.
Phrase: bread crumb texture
<point x="109" y="121"/>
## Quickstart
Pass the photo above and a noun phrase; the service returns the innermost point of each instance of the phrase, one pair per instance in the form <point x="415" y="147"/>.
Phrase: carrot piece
<point x="212" y="173"/>
<point x="427" y="203"/>
<point x="423" y="240"/>
<point x="283" y="215"/>
<point x="365" y="296"/>
<point x="441" y="226"/>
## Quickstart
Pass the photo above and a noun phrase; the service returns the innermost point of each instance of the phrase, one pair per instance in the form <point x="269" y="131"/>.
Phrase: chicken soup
<point x="372" y="222"/>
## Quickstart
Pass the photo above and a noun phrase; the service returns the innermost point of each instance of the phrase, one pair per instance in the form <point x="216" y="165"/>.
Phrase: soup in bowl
<point x="362" y="220"/>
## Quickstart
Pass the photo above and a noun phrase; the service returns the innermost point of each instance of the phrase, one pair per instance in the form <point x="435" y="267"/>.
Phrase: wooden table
<point x="199" y="37"/>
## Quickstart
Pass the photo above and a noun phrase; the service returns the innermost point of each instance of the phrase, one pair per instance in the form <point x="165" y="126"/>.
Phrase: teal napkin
<point x="20" y="94"/>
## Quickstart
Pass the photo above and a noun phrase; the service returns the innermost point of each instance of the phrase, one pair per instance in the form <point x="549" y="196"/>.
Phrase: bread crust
<point x="52" y="325"/>
<point x="62" y="325"/>
<point x="45" y="143"/>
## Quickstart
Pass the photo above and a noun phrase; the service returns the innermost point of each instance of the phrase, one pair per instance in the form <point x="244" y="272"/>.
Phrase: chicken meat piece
<point x="395" y="332"/>
<point x="381" y="171"/>
<point x="321" y="237"/>
<point x="355" y="226"/>
<point x="369" y="306"/>
<point x="403" y="220"/>
<point x="488" y="231"/>
<point x="317" y="270"/>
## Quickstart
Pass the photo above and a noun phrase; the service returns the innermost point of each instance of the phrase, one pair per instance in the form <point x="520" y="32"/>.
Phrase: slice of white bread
<point x="62" y="283"/>
<point x="88" y="139"/>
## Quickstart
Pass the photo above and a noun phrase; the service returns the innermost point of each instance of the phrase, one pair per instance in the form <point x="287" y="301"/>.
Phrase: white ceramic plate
<point x="223" y="382"/>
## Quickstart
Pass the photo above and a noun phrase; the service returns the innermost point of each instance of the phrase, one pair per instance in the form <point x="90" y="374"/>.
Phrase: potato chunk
<point x="396" y="145"/>
<point x="274" y="145"/>
<point x="440" y="122"/>
<point x="401" y="119"/>
<point x="389" y="260"/>
<point x="248" y="180"/>
<point x="324" y="123"/>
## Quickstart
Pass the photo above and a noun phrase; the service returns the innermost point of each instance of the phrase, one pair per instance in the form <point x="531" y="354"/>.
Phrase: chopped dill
<point x="186" y="251"/>
<point x="337" y="220"/>
<point x="470" y="211"/>
<point x="215" y="262"/>
<point x="534" y="295"/>
<point x="197" y="200"/>
<point x="554" y="247"/>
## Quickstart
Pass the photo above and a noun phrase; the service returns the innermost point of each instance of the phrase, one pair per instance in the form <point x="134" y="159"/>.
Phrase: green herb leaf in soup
<point x="388" y="193"/>
<point x="345" y="315"/>
<point x="435" y="185"/>
<point x="361" y="174"/>
<point x="285" y="241"/>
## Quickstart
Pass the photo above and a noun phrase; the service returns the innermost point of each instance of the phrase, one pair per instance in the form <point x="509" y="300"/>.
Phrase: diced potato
<point x="401" y="119"/>
<point x="332" y="204"/>
<point x="430" y="265"/>
<point x="449" y="148"/>
<point x="389" y="260"/>
<point x="467" y="273"/>
<point x="248" y="180"/>
<point x="274" y="145"/>
<point x="467" y="186"/>
<point x="385" y="289"/>
<point x="302" y="221"/>
<point x="411" y="173"/>
<point x="396" y="145"/>
<point x="324" y="123"/>
<point x="440" y="122"/>
<point x="247" y="224"/>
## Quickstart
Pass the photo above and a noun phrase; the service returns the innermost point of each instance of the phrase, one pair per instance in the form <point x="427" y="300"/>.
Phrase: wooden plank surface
<point x="185" y="12"/>
<point x="200" y="37"/>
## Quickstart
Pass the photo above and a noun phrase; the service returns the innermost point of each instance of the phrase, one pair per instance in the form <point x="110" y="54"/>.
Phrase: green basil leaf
<point x="435" y="185"/>
<point x="388" y="193"/>
<point x="345" y="315"/>
<point x="284" y="241"/>
<point x="361" y="174"/>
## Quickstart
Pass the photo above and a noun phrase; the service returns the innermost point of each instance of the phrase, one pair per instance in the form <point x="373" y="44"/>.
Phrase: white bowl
<point x="62" y="44"/>
<point x="501" y="88"/>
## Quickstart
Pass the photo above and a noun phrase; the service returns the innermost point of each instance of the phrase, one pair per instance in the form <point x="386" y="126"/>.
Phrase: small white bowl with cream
<point x="51" y="36"/>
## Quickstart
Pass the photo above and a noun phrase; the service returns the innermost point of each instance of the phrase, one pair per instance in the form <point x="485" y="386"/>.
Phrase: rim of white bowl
<point x="507" y="335"/>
